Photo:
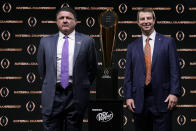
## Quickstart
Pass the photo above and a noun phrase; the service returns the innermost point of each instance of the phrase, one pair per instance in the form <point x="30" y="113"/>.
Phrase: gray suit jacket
<point x="84" y="70"/>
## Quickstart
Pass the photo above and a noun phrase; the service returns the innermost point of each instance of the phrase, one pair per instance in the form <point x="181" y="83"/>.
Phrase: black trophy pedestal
<point x="107" y="85"/>
<point x="106" y="112"/>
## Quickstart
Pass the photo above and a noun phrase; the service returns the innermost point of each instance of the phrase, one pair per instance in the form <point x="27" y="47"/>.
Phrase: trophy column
<point x="107" y="80"/>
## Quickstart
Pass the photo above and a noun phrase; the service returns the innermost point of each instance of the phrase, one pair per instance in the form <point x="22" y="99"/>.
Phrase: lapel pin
<point x="159" y="38"/>
<point x="79" y="43"/>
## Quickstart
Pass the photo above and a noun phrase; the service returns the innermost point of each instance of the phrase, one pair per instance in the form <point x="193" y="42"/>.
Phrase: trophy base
<point x="107" y="84"/>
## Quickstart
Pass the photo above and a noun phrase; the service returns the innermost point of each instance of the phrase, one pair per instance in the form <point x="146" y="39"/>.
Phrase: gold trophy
<point x="108" y="23"/>
<point x="107" y="80"/>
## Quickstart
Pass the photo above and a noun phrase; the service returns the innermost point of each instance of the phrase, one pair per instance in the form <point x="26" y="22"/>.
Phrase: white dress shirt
<point x="151" y="42"/>
<point x="61" y="40"/>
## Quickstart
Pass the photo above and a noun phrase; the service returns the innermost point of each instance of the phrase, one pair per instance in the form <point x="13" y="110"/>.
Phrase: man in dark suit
<point x="152" y="77"/>
<point x="67" y="64"/>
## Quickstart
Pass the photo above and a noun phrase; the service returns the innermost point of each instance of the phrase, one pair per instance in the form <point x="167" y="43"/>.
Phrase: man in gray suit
<point x="67" y="74"/>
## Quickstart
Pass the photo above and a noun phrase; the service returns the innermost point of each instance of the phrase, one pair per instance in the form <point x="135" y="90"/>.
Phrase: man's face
<point x="66" y="22"/>
<point x="146" y="22"/>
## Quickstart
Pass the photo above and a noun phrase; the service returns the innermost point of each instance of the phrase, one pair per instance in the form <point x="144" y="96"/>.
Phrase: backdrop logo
<point x="31" y="77"/>
<point x="104" y="116"/>
<point x="90" y="21"/>
<point x="180" y="8"/>
<point x="106" y="72"/>
<point x="5" y="35"/>
<point x="182" y="63"/>
<point x="32" y="21"/>
<point x="124" y="121"/>
<point x="6" y="7"/>
<point x="5" y="63"/>
<point x="3" y="121"/>
<point x="120" y="92"/>
<point x="4" y="92"/>
<point x="122" y="8"/>
<point x="180" y="36"/>
<point x="30" y="106"/>
<point x="181" y="120"/>
<point x="64" y="4"/>
<point x="132" y="120"/>
<point x="121" y="63"/>
<point x="31" y="49"/>
<point x="183" y="91"/>
<point x="122" y="35"/>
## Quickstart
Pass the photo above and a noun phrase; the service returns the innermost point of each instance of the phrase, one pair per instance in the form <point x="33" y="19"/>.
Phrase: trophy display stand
<point x="105" y="113"/>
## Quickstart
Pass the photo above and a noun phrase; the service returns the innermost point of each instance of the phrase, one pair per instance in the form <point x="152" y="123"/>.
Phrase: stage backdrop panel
<point x="24" y="22"/>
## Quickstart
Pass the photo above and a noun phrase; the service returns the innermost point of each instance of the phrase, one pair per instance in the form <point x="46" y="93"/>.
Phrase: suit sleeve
<point x="175" y="73"/>
<point x="128" y="75"/>
<point x="92" y="60"/>
<point x="41" y="59"/>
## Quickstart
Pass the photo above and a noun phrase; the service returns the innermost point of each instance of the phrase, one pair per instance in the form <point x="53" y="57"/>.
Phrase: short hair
<point x="146" y="10"/>
<point x="68" y="9"/>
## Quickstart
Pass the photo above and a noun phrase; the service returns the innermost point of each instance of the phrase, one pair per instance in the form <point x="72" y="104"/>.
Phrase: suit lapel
<point x="141" y="52"/>
<point x="156" y="49"/>
<point x="78" y="43"/>
<point x="54" y="49"/>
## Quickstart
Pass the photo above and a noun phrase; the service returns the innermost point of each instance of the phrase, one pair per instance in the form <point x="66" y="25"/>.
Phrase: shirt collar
<point x="70" y="36"/>
<point x="152" y="36"/>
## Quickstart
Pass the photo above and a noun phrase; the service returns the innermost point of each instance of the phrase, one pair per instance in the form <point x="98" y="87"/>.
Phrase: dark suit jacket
<point x="84" y="70"/>
<point x="165" y="72"/>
